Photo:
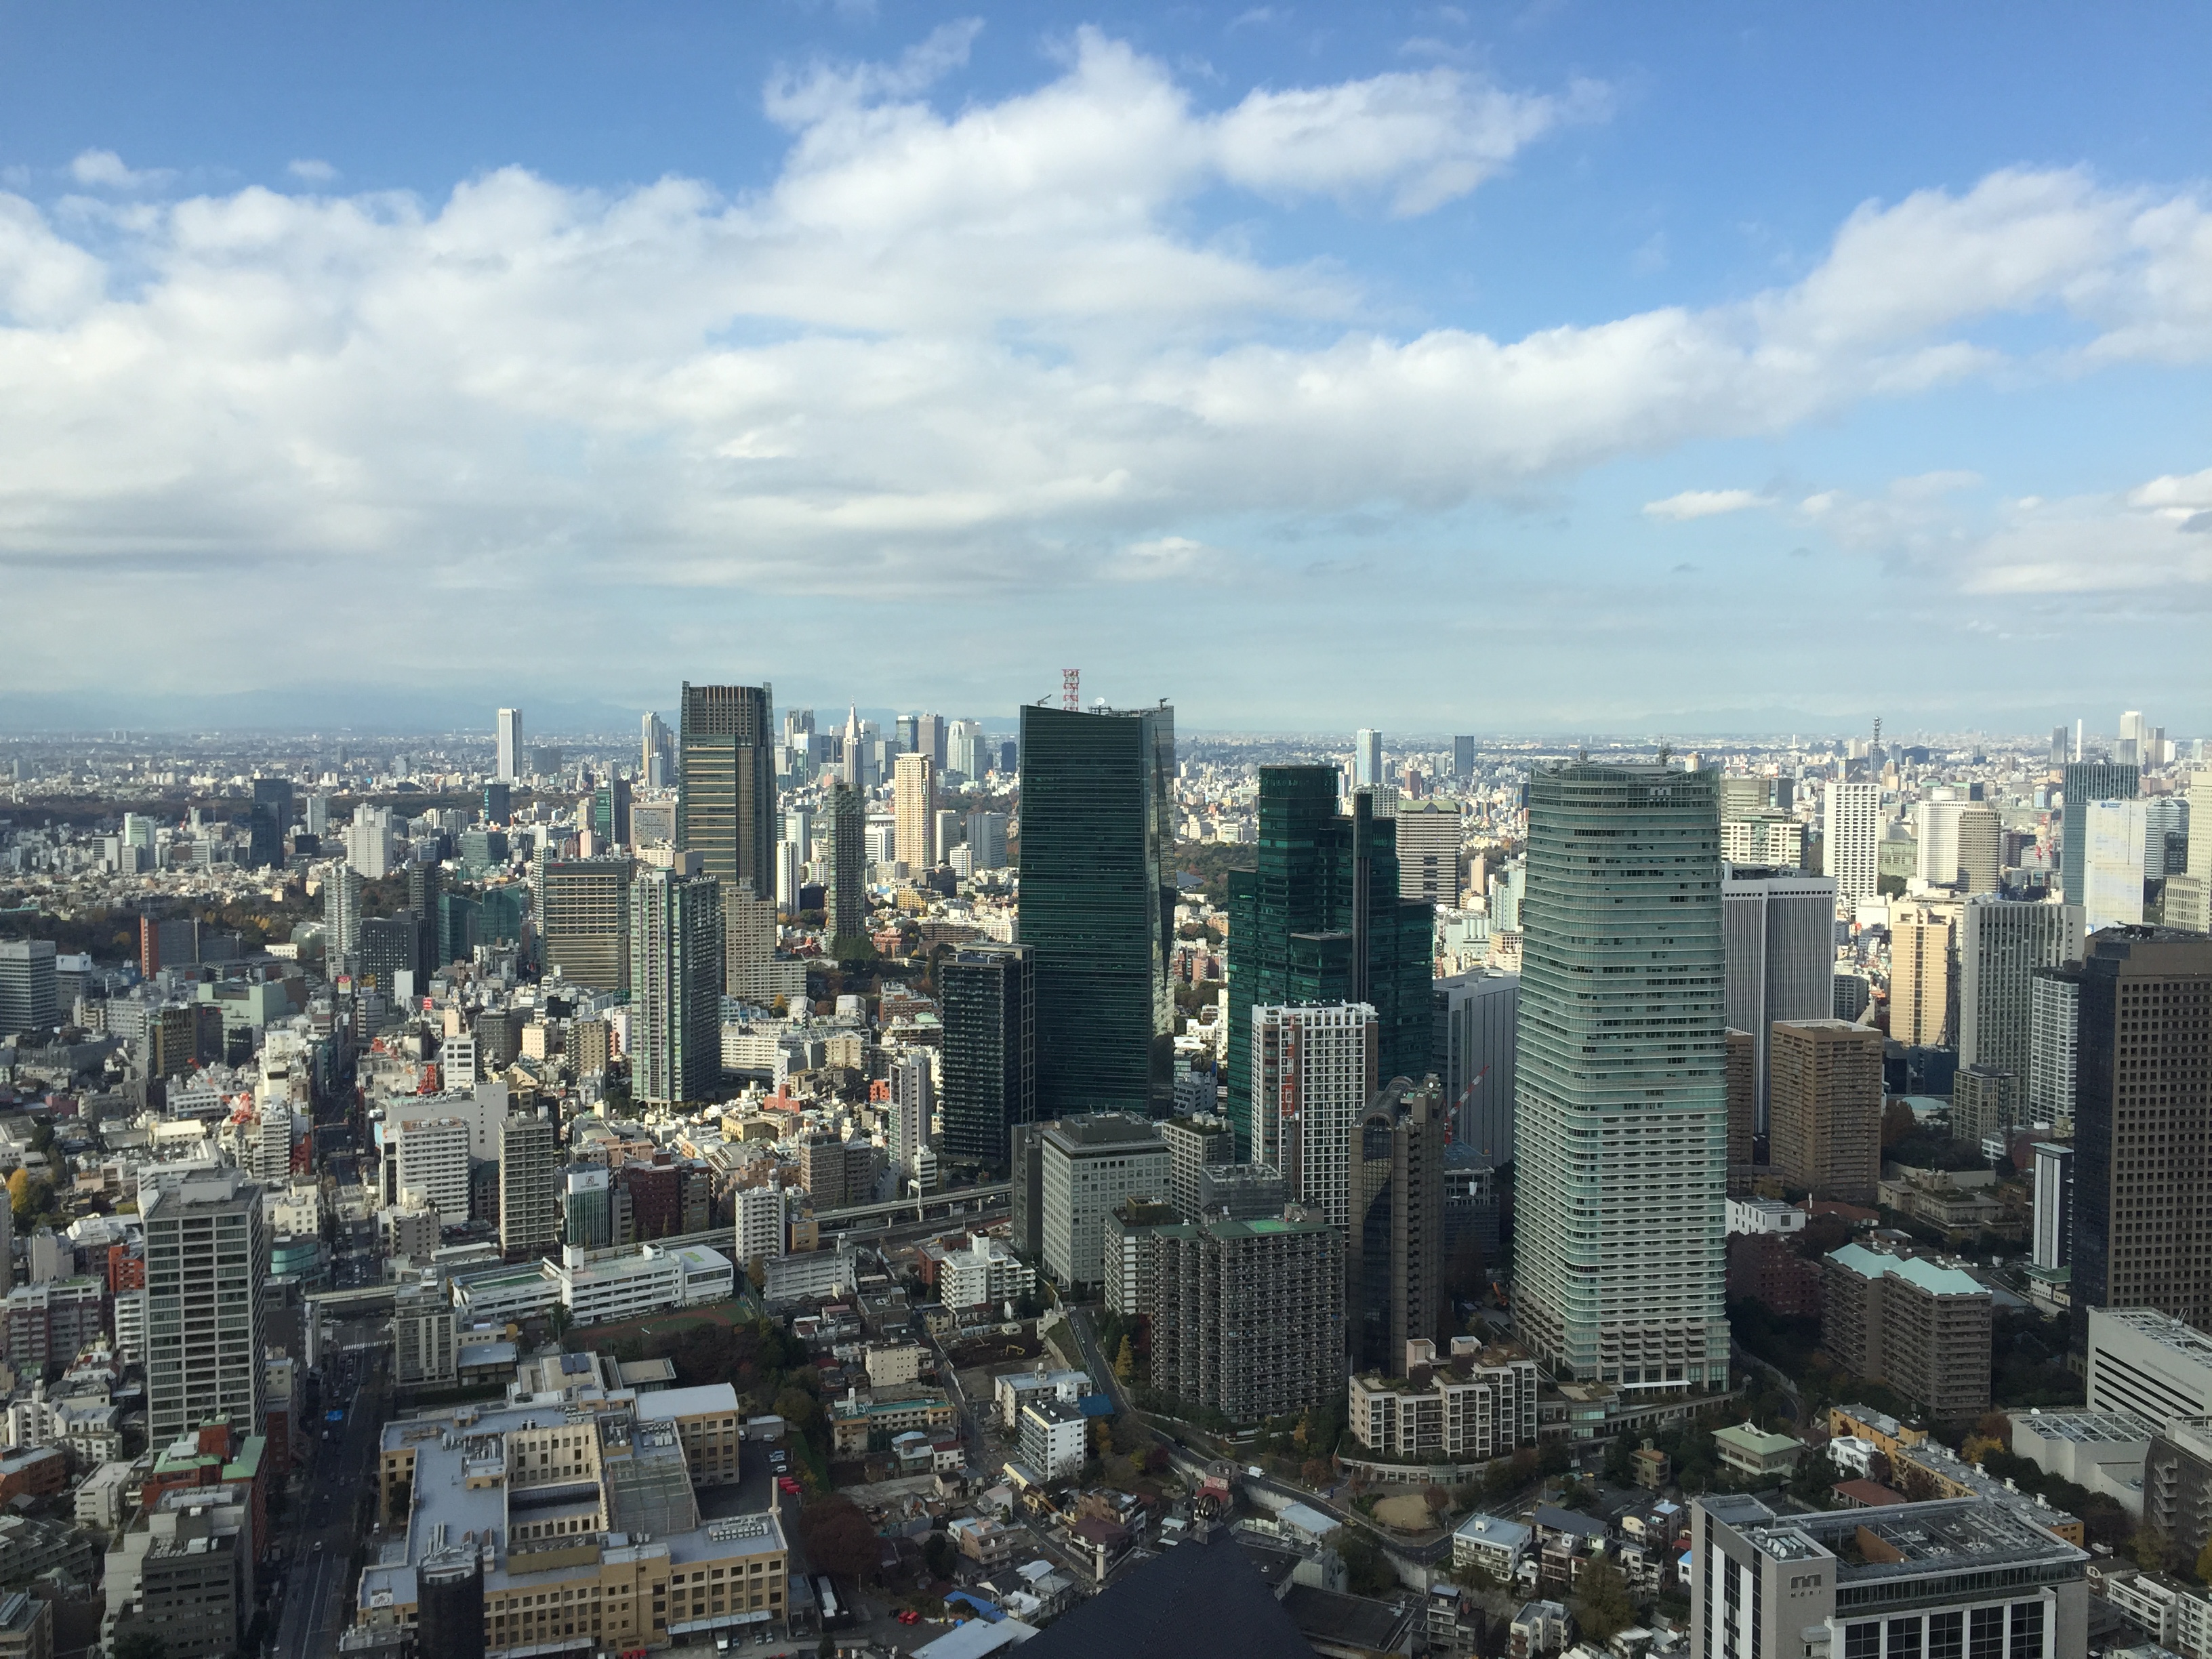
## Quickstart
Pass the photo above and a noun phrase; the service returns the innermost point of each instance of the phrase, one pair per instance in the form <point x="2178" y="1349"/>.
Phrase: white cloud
<point x="103" y="169"/>
<point x="1705" y="504"/>
<point x="973" y="347"/>
<point x="312" y="171"/>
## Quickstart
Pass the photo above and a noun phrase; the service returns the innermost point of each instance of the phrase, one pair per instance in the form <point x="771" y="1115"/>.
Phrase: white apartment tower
<point x="207" y="1273"/>
<point x="1851" y="839"/>
<point x="2002" y="943"/>
<point x="1313" y="1072"/>
<point x="760" y="1224"/>
<point x="430" y="1157"/>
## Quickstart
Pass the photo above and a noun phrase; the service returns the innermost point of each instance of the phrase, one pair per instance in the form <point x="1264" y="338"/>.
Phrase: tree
<point x="2204" y="1565"/>
<point x="1367" y="1569"/>
<point x="18" y="1194"/>
<point x="1897" y="1120"/>
<point x="1600" y="1604"/>
<point x="135" y="1641"/>
<point x="839" y="1539"/>
<point x="1125" y="1361"/>
<point x="938" y="1555"/>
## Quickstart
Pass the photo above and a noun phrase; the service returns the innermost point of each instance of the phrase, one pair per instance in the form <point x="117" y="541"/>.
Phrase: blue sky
<point x="1541" y="367"/>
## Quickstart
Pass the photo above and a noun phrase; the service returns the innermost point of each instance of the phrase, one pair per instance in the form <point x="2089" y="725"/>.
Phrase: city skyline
<point x="1613" y="353"/>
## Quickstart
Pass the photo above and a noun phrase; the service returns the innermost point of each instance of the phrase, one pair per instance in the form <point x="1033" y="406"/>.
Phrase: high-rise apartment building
<point x="1851" y="840"/>
<point x="207" y="1277"/>
<point x="909" y="1136"/>
<point x="1313" y="1070"/>
<point x="1920" y="975"/>
<point x="1367" y="760"/>
<point x="2114" y="834"/>
<point x="914" y="803"/>
<point x="2142" y="1123"/>
<point x="2054" y="1030"/>
<point x="1826" y="1108"/>
<point x="1097" y="904"/>
<point x="529" y="1186"/>
<point x="1429" y="840"/>
<point x="1780" y="930"/>
<point x="1622" y="1128"/>
<point x="1395" y="1242"/>
<point x="748" y="937"/>
<point x="1193" y="1145"/>
<point x="988" y="1007"/>
<point x="29" y="997"/>
<point x="2002" y="942"/>
<point x="760" y="1224"/>
<point x="1477" y="1024"/>
<point x="508" y="765"/>
<point x="2084" y="781"/>
<point x="845" y="882"/>
<point x="430" y="1155"/>
<point x="368" y="842"/>
<point x="674" y="983"/>
<point x="725" y="799"/>
<point x="2051" y="1237"/>
<point x="1319" y="921"/>
<point x="341" y="886"/>
<point x="1246" y="1317"/>
<point x="1922" y="1329"/>
<point x="583" y="921"/>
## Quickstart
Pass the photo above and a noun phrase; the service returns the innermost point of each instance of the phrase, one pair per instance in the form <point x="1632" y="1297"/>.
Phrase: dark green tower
<point x="1097" y="905"/>
<point x="1319" y="921"/>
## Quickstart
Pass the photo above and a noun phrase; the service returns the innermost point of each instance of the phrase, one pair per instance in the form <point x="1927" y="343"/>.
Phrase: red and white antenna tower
<point x="1071" y="689"/>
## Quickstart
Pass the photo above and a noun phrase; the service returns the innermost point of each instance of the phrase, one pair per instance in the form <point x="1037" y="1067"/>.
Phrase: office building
<point x="2054" y="1016"/>
<point x="1463" y="757"/>
<point x="1779" y="930"/>
<point x="1959" y="846"/>
<point x="986" y="840"/>
<point x="1826" y="1108"/>
<point x="271" y="821"/>
<point x="1740" y="1078"/>
<point x="1087" y="1164"/>
<point x="2084" y="782"/>
<point x="2142" y="1121"/>
<point x="423" y="1352"/>
<point x="656" y="754"/>
<point x="587" y="1215"/>
<point x="1622" y="1132"/>
<point x="1429" y="840"/>
<point x="726" y="801"/>
<point x="1097" y="905"/>
<point x="1246" y="1317"/>
<point x="529" y="1186"/>
<point x="914" y="804"/>
<point x="1319" y="921"/>
<point x="207" y="1276"/>
<point x="1953" y="1578"/>
<point x="2050" y="1239"/>
<point x="1193" y="1144"/>
<point x="1477" y="1021"/>
<point x="1395" y="1242"/>
<point x="2002" y="942"/>
<point x="583" y="926"/>
<point x="1850" y="839"/>
<point x="507" y="764"/>
<point x="2147" y="1363"/>
<point x="1367" y="760"/>
<point x="610" y="806"/>
<point x="988" y="1049"/>
<point x="1313" y="1071"/>
<point x="29" y="999"/>
<point x="1920" y="975"/>
<point x="845" y="882"/>
<point x="675" y="983"/>
<point x="2112" y="860"/>
<point x="1923" y="1329"/>
<point x="429" y="1155"/>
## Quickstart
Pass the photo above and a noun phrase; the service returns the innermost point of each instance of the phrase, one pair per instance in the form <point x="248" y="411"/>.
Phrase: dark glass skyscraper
<point x="845" y="898"/>
<point x="610" y="812"/>
<point x="272" y="817"/>
<point x="1097" y="905"/>
<point x="2086" y="782"/>
<point x="1319" y="921"/>
<point x="725" y="803"/>
<point x="988" y="996"/>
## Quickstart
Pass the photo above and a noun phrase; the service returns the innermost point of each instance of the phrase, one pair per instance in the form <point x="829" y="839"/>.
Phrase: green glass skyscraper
<point x="1097" y="905"/>
<point x="1622" y="1124"/>
<point x="1319" y="921"/>
<point x="725" y="804"/>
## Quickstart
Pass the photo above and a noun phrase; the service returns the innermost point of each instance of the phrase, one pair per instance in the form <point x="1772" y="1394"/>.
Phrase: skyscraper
<point x="1622" y="1131"/>
<point x="2054" y="1038"/>
<point x="1097" y="904"/>
<point x="2002" y="942"/>
<point x="611" y="812"/>
<point x="426" y="893"/>
<point x="272" y="817"/>
<point x="583" y="921"/>
<point x="1313" y="1069"/>
<point x="913" y="801"/>
<point x="29" y="1001"/>
<point x="726" y="801"/>
<point x="529" y="1186"/>
<point x="1850" y="839"/>
<point x="1477" y="1018"/>
<point x="1960" y="845"/>
<point x="845" y="823"/>
<point x="2142" y="1123"/>
<point x="653" y="753"/>
<point x="1367" y="759"/>
<point x="1429" y="840"/>
<point x="1320" y="919"/>
<point x="1463" y="757"/>
<point x="1779" y="927"/>
<point x="2084" y="782"/>
<point x="341" y="886"/>
<point x="1396" y="1237"/>
<point x="207" y="1277"/>
<point x="2113" y="836"/>
<point x="1920" y="976"/>
<point x="1826" y="1108"/>
<point x="989" y="1010"/>
<point x="675" y="983"/>
<point x="930" y="735"/>
<point x="508" y="768"/>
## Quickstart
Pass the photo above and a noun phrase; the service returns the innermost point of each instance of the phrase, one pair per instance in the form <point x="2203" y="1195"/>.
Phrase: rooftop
<point x="662" y="1404"/>
<point x="2087" y="1428"/>
<point x="1914" y="1270"/>
<point x="1949" y="1532"/>
<point x="2176" y="1335"/>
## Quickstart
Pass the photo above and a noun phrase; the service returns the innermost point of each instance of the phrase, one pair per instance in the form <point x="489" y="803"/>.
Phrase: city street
<point x="329" y="1522"/>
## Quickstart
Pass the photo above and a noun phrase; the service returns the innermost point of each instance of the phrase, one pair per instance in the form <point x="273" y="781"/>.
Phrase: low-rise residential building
<point x="1012" y="1391"/>
<point x="1055" y="1438"/>
<point x="1751" y="1451"/>
<point x="984" y="1272"/>
<point x="1478" y="1404"/>
<point x="1492" y="1543"/>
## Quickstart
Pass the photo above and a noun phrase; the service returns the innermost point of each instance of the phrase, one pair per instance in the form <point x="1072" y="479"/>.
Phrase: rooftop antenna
<point x="1071" y="689"/>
